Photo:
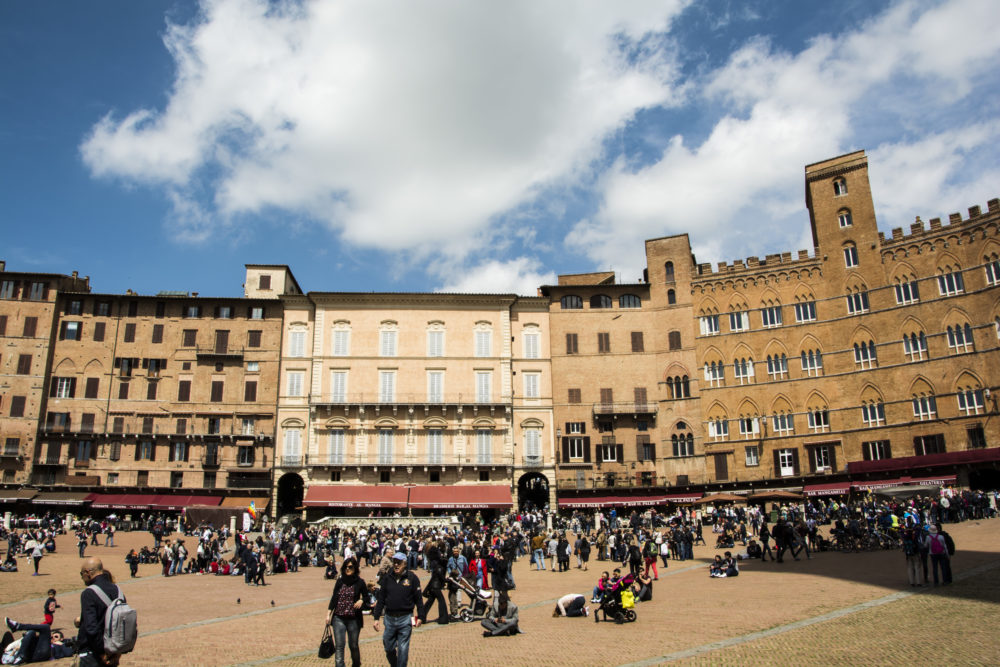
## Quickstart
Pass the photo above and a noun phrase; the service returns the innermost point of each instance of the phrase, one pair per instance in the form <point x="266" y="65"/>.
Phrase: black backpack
<point x="948" y="543"/>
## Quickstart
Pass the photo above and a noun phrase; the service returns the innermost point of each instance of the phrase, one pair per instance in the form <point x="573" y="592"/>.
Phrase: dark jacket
<point x="91" y="635"/>
<point x="399" y="596"/>
<point x="360" y="593"/>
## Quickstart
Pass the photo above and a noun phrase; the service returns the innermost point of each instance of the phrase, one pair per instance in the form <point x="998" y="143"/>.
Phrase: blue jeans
<point x="348" y="628"/>
<point x="396" y="639"/>
<point x="178" y="566"/>
<point x="539" y="559"/>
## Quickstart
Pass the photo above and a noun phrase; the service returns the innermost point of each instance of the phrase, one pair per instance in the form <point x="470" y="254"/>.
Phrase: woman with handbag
<point x="344" y="615"/>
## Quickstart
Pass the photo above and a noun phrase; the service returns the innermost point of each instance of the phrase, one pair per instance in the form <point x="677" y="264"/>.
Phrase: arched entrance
<point x="290" y="493"/>
<point x="532" y="491"/>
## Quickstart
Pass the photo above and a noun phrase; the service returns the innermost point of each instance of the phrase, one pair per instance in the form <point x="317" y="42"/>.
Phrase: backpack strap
<point x="104" y="596"/>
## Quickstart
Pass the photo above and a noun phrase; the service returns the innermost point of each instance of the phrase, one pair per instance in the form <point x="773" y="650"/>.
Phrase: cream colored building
<point x="413" y="402"/>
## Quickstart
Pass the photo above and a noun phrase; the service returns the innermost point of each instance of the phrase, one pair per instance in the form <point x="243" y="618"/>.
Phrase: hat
<point x="933" y="530"/>
<point x="399" y="556"/>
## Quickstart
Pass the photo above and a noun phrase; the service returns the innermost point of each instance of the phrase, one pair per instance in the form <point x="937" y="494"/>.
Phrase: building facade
<point x="385" y="395"/>
<point x="868" y="358"/>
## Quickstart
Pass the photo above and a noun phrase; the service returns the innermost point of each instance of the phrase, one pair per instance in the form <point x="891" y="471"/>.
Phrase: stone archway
<point x="290" y="493"/>
<point x="532" y="491"/>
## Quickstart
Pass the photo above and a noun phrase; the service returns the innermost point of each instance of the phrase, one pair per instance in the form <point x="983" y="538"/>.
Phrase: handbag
<point x="326" y="646"/>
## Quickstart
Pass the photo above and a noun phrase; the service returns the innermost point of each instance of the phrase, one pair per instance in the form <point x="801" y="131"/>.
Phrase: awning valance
<point x="259" y="503"/>
<point x="471" y="496"/>
<point x="828" y="489"/>
<point x="122" y="501"/>
<point x="174" y="503"/>
<point x="356" y="495"/>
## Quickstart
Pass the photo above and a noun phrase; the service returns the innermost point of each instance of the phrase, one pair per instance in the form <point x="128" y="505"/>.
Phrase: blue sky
<point x="391" y="146"/>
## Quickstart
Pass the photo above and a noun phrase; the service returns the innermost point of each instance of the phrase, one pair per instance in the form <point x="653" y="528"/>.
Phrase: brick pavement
<point x="195" y="620"/>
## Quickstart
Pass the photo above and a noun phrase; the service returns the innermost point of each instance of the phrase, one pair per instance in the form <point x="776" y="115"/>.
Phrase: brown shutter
<point x="652" y="451"/>
<point x="151" y="391"/>
<point x="565" y="450"/>
<point x="586" y="450"/>
<point x="620" y="453"/>
<point x="866" y="451"/>
<point x="812" y="458"/>
<point x="157" y="333"/>
<point x="62" y="331"/>
<point x="777" y="464"/>
<point x="118" y="425"/>
<point x="87" y="422"/>
<point x="637" y="342"/>
<point x="17" y="406"/>
<point x="221" y="341"/>
<point x="130" y="332"/>
<point x="184" y="390"/>
<point x="98" y="331"/>
<point x="253" y="339"/>
<point x="795" y="461"/>
<point x="24" y="364"/>
<point x="72" y="387"/>
<point x="123" y="390"/>
<point x="888" y="449"/>
<point x="833" y="458"/>
<point x="3" y="325"/>
<point x="607" y="396"/>
<point x="187" y="451"/>
<point x="53" y="387"/>
<point x="182" y="425"/>
<point x="152" y="450"/>
<point x="30" y="326"/>
<point x="217" y="387"/>
<point x="250" y="392"/>
<point x="721" y="466"/>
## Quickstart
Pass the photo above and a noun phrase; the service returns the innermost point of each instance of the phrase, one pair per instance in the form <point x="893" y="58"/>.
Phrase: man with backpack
<point x="103" y="637"/>
<point x="940" y="554"/>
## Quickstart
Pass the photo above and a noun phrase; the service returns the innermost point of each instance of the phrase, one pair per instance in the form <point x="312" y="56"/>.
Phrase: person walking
<point x="940" y="558"/>
<point x="37" y="553"/>
<point x="346" y="603"/>
<point x="399" y="597"/>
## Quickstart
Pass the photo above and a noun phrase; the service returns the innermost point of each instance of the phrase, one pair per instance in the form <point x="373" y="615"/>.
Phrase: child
<point x="50" y="607"/>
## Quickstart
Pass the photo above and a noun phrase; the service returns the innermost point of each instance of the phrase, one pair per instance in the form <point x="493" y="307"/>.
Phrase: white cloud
<point x="520" y="275"/>
<point x="739" y="192"/>
<point x="402" y="126"/>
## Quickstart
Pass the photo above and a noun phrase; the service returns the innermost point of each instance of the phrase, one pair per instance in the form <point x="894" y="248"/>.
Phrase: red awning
<point x="356" y="495"/>
<point x="875" y="484"/>
<point x="470" y="496"/>
<point x="122" y="501"/>
<point x="921" y="463"/>
<point x="628" y="501"/>
<point x="940" y="480"/>
<point x="168" y="502"/>
<point x="829" y="489"/>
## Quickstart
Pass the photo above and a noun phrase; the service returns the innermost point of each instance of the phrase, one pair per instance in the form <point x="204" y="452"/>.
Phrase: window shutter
<point x="184" y="390"/>
<point x="833" y="457"/>
<point x="777" y="464"/>
<point x="157" y="333"/>
<point x="3" y="325"/>
<point x="866" y="454"/>
<point x="123" y="391"/>
<point x="811" y="453"/>
<point x="217" y="386"/>
<point x="186" y="451"/>
<point x="652" y="451"/>
<point x="620" y="453"/>
<point x="250" y="392"/>
<point x="565" y="449"/>
<point x="151" y="391"/>
<point x="30" y="325"/>
<point x="90" y="391"/>
<point x="795" y="461"/>
<point x="99" y="332"/>
<point x="638" y="449"/>
<point x="586" y="450"/>
<point x="917" y="449"/>
<point x="152" y="450"/>
<point x="888" y="449"/>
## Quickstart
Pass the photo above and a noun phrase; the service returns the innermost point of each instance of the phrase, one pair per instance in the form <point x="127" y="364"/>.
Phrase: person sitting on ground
<point x="753" y="549"/>
<point x="39" y="643"/>
<point x="717" y="568"/>
<point x="642" y="588"/>
<point x="501" y="619"/>
<point x="602" y="583"/>
<point x="732" y="569"/>
<point x="9" y="563"/>
<point x="725" y="541"/>
<point x="571" y="604"/>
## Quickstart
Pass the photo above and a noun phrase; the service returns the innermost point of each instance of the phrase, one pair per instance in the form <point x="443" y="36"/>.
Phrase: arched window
<point x="915" y="345"/>
<point x="864" y="354"/>
<point x="743" y="370"/>
<point x="812" y="362"/>
<point x="777" y="366"/>
<point x="839" y="187"/>
<point x="850" y="255"/>
<point x="571" y="302"/>
<point x="600" y="301"/>
<point x="960" y="338"/>
<point x="844" y="217"/>
<point x="629" y="301"/>
<point x="668" y="270"/>
<point x="671" y="297"/>
<point x="679" y="387"/>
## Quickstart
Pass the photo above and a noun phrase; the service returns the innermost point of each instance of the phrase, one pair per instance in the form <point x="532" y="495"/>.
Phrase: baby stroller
<point x="618" y="602"/>
<point x="480" y="599"/>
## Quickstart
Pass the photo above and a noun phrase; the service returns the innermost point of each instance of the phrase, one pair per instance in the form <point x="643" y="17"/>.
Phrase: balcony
<point x="627" y="408"/>
<point x="52" y="461"/>
<point x="373" y="398"/>
<point x="262" y="482"/>
<point x="218" y="352"/>
<point x="81" y="463"/>
<point x="532" y="462"/>
<point x="291" y="461"/>
<point x="377" y="460"/>
<point x="10" y="453"/>
<point x="210" y="460"/>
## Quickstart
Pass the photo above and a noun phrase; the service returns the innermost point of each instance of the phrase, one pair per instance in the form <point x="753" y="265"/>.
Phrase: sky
<point x="460" y="146"/>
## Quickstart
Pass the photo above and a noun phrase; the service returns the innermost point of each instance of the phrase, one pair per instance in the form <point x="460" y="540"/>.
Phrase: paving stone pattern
<point x="835" y="608"/>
